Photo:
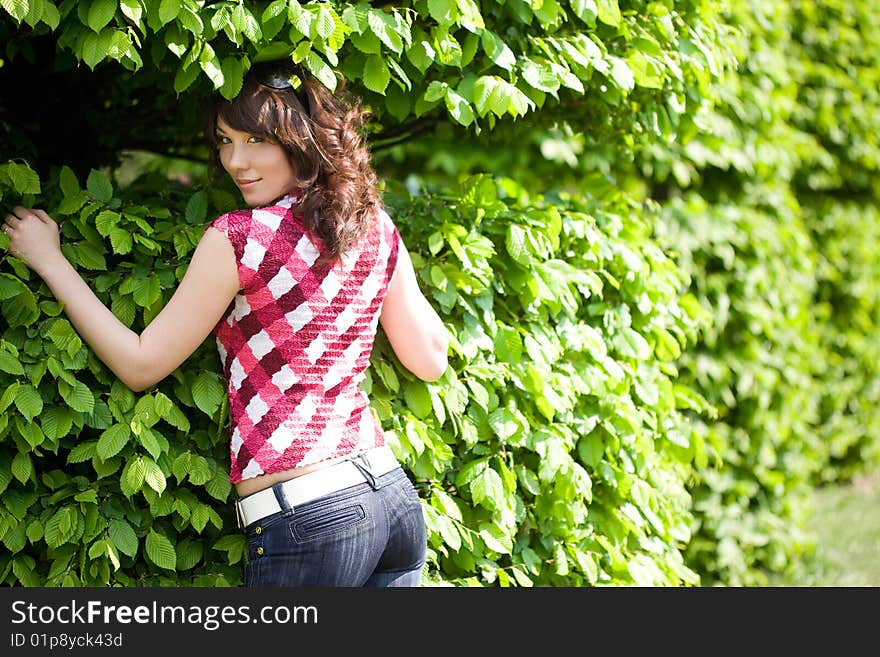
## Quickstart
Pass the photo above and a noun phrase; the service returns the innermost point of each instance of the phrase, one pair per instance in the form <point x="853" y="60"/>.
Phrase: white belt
<point x="315" y="484"/>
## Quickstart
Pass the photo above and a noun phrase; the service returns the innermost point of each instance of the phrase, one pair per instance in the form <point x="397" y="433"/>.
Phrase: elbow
<point x="137" y="384"/>
<point x="434" y="365"/>
<point x="138" y="379"/>
<point x="432" y="372"/>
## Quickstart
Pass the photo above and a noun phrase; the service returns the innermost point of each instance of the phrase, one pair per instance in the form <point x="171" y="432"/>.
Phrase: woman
<point x="293" y="290"/>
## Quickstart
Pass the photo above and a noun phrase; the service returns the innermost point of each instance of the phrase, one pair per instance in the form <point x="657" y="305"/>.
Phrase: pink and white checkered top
<point x="297" y="340"/>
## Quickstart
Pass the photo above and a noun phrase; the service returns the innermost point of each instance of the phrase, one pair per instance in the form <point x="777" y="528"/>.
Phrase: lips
<point x="243" y="184"/>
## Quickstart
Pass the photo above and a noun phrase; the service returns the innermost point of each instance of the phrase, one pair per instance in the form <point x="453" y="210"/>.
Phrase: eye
<point x="222" y="139"/>
<point x="255" y="140"/>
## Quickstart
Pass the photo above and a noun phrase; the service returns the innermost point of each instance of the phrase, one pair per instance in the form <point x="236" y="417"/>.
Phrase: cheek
<point x="224" y="159"/>
<point x="285" y="169"/>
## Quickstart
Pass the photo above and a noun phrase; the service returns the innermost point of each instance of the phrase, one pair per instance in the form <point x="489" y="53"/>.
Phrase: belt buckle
<point x="238" y="518"/>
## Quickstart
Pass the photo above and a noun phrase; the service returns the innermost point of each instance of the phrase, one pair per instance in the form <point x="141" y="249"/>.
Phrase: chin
<point x="254" y="200"/>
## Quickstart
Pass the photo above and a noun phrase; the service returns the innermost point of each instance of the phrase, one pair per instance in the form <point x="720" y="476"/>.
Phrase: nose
<point x="236" y="157"/>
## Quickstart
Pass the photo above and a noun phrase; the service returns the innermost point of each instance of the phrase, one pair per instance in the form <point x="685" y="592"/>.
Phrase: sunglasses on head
<point x="279" y="78"/>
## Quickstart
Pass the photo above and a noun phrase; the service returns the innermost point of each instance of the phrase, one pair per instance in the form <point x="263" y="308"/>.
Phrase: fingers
<point x="43" y="216"/>
<point x="20" y="214"/>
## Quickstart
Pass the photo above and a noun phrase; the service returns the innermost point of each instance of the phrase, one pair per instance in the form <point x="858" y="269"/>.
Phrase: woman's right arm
<point x="139" y="360"/>
<point x="414" y="329"/>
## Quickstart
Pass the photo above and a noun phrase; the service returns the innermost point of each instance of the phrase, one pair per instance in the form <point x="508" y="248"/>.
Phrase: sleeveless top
<point x="297" y="339"/>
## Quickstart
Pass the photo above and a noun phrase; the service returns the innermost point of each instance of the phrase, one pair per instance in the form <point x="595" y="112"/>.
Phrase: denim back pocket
<point x="318" y="522"/>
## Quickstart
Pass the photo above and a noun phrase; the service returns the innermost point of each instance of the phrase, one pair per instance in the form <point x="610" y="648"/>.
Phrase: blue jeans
<point x="364" y="535"/>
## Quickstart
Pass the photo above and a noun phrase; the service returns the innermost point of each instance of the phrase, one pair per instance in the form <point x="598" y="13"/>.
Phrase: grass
<point x="845" y="521"/>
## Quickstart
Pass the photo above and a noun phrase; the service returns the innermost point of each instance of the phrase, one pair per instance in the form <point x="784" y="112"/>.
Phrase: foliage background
<point x="648" y="227"/>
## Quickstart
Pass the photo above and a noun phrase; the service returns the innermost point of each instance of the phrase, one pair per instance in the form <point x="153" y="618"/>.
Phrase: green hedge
<point x="552" y="451"/>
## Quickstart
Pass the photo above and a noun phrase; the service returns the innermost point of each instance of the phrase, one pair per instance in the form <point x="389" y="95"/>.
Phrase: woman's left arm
<point x="208" y="287"/>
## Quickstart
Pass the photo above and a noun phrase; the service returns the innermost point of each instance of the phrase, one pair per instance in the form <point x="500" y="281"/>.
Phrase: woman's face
<point x="257" y="165"/>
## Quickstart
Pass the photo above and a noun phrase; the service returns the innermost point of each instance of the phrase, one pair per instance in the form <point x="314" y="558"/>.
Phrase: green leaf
<point x="133" y="10"/>
<point x="201" y="513"/>
<point x="147" y="291"/>
<point x="18" y="9"/>
<point x="621" y="73"/>
<point x="153" y="475"/>
<point x="631" y="344"/>
<point x="376" y="74"/>
<point x="101" y="12"/>
<point x="30" y="431"/>
<point x="197" y="207"/>
<point x="498" y="51"/>
<point x="186" y="75"/>
<point x="489" y="95"/>
<point x="383" y="25"/>
<point x="418" y="399"/>
<point x="83" y="452"/>
<point x="68" y="182"/>
<point x="646" y="72"/>
<point x="20" y="310"/>
<point x="219" y="486"/>
<point x="495" y="538"/>
<point x="508" y="345"/>
<point x="246" y="23"/>
<point x="56" y="422"/>
<point x="106" y="220"/>
<point x="99" y="186"/>
<point x="24" y="179"/>
<point x="421" y="53"/>
<point x="168" y="10"/>
<point x="443" y="11"/>
<point x="10" y="287"/>
<point x="5" y="480"/>
<point x="22" y="467"/>
<point x="124" y="308"/>
<point x="35" y="531"/>
<point x="459" y="108"/>
<point x="90" y="256"/>
<point x="199" y="470"/>
<point x="504" y="423"/>
<point x="9" y="395"/>
<point x="208" y="392"/>
<point x="609" y="12"/>
<point x="210" y="64"/>
<point x="112" y="441"/>
<point x="78" y="396"/>
<point x="233" y="78"/>
<point x="190" y="19"/>
<point x="28" y="402"/>
<point x="319" y="68"/>
<point x="160" y="551"/>
<point x="10" y="363"/>
<point x="132" y="478"/>
<point x="189" y="553"/>
<point x="90" y="496"/>
<point x="591" y="449"/>
<point x="234" y="545"/>
<point x="121" y="240"/>
<point x="325" y="21"/>
<point x="123" y="537"/>
<point x="148" y="439"/>
<point x="487" y="488"/>
<point x="60" y="527"/>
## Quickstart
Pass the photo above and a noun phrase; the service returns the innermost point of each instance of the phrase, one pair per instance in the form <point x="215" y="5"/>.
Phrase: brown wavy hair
<point x="321" y="132"/>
